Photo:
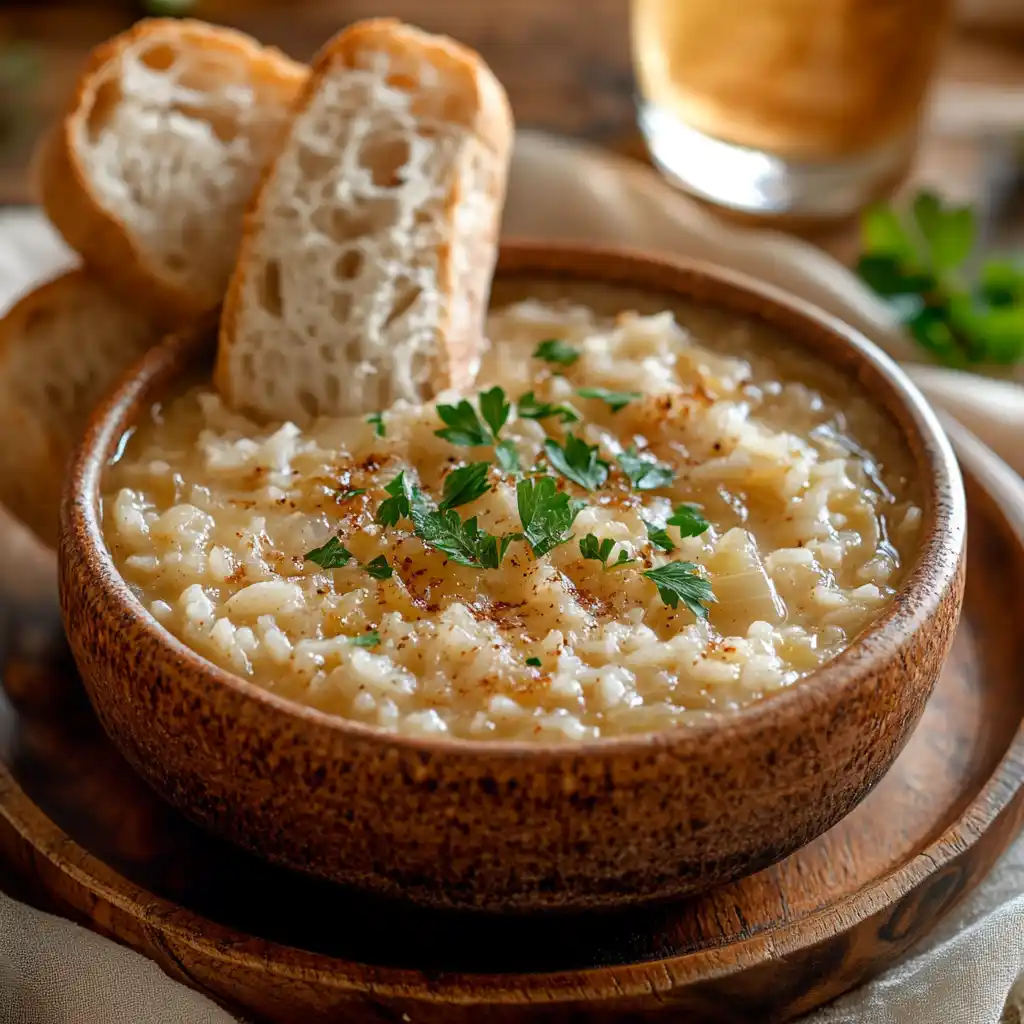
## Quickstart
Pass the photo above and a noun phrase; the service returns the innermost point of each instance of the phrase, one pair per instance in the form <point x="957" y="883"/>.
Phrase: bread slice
<point x="149" y="173"/>
<point x="62" y="347"/>
<point x="366" y="261"/>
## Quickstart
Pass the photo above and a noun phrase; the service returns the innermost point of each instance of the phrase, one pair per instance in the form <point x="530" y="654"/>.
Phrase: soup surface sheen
<point x="794" y="487"/>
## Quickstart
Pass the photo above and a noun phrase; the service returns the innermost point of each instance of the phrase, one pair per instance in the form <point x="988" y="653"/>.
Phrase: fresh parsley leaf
<point x="462" y="542"/>
<point x="464" y="426"/>
<point x="398" y="505"/>
<point x="599" y="550"/>
<point x="371" y="638"/>
<point x="531" y="409"/>
<point x="533" y="662"/>
<point x="644" y="471"/>
<point x="446" y="532"/>
<point x="680" y="581"/>
<point x="659" y="537"/>
<point x="379" y="569"/>
<point x="494" y="408"/>
<point x="508" y="456"/>
<point x="688" y="520"/>
<point x="546" y="513"/>
<point x="333" y="555"/>
<point x="491" y="550"/>
<point x="376" y="420"/>
<point x="347" y="493"/>
<point x="615" y="400"/>
<point x="464" y="485"/>
<point x="577" y="461"/>
<point x="558" y="352"/>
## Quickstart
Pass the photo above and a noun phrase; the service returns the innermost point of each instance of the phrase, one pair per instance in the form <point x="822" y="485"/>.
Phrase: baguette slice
<point x="366" y="261"/>
<point x="149" y="173"/>
<point x="61" y="349"/>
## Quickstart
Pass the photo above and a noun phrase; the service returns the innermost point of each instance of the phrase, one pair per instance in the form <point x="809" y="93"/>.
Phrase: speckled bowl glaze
<point x="521" y="826"/>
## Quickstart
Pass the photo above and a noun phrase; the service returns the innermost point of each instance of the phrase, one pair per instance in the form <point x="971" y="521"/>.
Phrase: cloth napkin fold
<point x="970" y="971"/>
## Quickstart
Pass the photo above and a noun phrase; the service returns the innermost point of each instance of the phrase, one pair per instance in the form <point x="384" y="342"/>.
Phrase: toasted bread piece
<point x="366" y="261"/>
<point x="61" y="349"/>
<point x="149" y="173"/>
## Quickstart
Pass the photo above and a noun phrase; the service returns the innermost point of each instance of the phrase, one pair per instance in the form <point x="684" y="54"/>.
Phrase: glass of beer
<point x="792" y="108"/>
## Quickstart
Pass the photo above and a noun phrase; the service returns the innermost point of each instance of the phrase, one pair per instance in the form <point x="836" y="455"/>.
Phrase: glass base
<point x="754" y="182"/>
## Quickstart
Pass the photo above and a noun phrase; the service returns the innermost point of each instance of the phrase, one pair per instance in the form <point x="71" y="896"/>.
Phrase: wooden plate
<point x="92" y="842"/>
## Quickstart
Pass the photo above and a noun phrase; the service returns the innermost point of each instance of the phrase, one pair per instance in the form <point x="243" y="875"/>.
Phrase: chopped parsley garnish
<point x="533" y="662"/>
<point x="333" y="555"/>
<point x="462" y="542"/>
<point x="680" y="581"/>
<point x="464" y="426"/>
<point x="379" y="569"/>
<point x="557" y="352"/>
<point x="369" y="639"/>
<point x="466" y="429"/>
<point x="688" y="520"/>
<point x="644" y="471"/>
<point x="494" y="408"/>
<point x="398" y="506"/>
<point x="376" y="420"/>
<point x="531" y="409"/>
<point x="464" y="485"/>
<point x="547" y="514"/>
<point x="577" y="461"/>
<point x="599" y="550"/>
<point x="615" y="400"/>
<point x="659" y="537"/>
<point x="349" y="492"/>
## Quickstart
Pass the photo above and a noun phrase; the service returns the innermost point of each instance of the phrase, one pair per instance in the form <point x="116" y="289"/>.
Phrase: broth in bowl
<point x="635" y="521"/>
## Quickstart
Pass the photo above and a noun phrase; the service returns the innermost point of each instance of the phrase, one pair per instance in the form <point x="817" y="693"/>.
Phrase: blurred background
<point x="566" y="64"/>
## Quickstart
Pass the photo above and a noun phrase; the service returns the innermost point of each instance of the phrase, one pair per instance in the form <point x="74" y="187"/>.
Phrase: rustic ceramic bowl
<point x="511" y="825"/>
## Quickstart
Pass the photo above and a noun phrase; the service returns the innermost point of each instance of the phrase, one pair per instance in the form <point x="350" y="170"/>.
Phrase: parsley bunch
<point x="917" y="261"/>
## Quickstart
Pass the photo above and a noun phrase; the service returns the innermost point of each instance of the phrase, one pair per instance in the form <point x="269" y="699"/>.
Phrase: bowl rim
<point x="915" y="604"/>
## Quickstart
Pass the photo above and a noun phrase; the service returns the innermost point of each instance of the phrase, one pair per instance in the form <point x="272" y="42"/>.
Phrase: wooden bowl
<point x="513" y="825"/>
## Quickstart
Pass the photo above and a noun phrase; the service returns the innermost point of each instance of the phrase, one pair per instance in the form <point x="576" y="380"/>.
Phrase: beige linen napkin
<point x="971" y="971"/>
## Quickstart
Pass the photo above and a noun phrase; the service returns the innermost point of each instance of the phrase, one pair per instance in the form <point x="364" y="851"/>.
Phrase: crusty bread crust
<point x="61" y="347"/>
<point x="465" y="258"/>
<point x="69" y="196"/>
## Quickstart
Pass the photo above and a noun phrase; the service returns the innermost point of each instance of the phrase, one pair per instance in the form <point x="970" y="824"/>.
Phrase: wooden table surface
<point x="566" y="65"/>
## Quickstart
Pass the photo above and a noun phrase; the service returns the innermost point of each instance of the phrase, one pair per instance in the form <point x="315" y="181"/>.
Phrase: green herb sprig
<point x="681" y="581"/>
<point x="462" y="541"/>
<point x="465" y="484"/>
<point x="529" y="408"/>
<point x="546" y="513"/>
<point x="556" y="352"/>
<point x="600" y="550"/>
<point x="645" y="472"/>
<point x="918" y="260"/>
<point x="464" y="428"/>
<point x="577" y="461"/>
<point x="332" y="555"/>
<point x="615" y="400"/>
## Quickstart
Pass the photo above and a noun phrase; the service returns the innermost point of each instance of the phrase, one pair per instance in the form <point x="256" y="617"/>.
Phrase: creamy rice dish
<point x="634" y="521"/>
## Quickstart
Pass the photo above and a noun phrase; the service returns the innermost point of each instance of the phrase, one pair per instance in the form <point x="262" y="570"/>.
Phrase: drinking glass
<point x="802" y="108"/>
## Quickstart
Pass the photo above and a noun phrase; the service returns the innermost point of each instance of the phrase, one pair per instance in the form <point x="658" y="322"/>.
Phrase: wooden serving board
<point x="89" y="840"/>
